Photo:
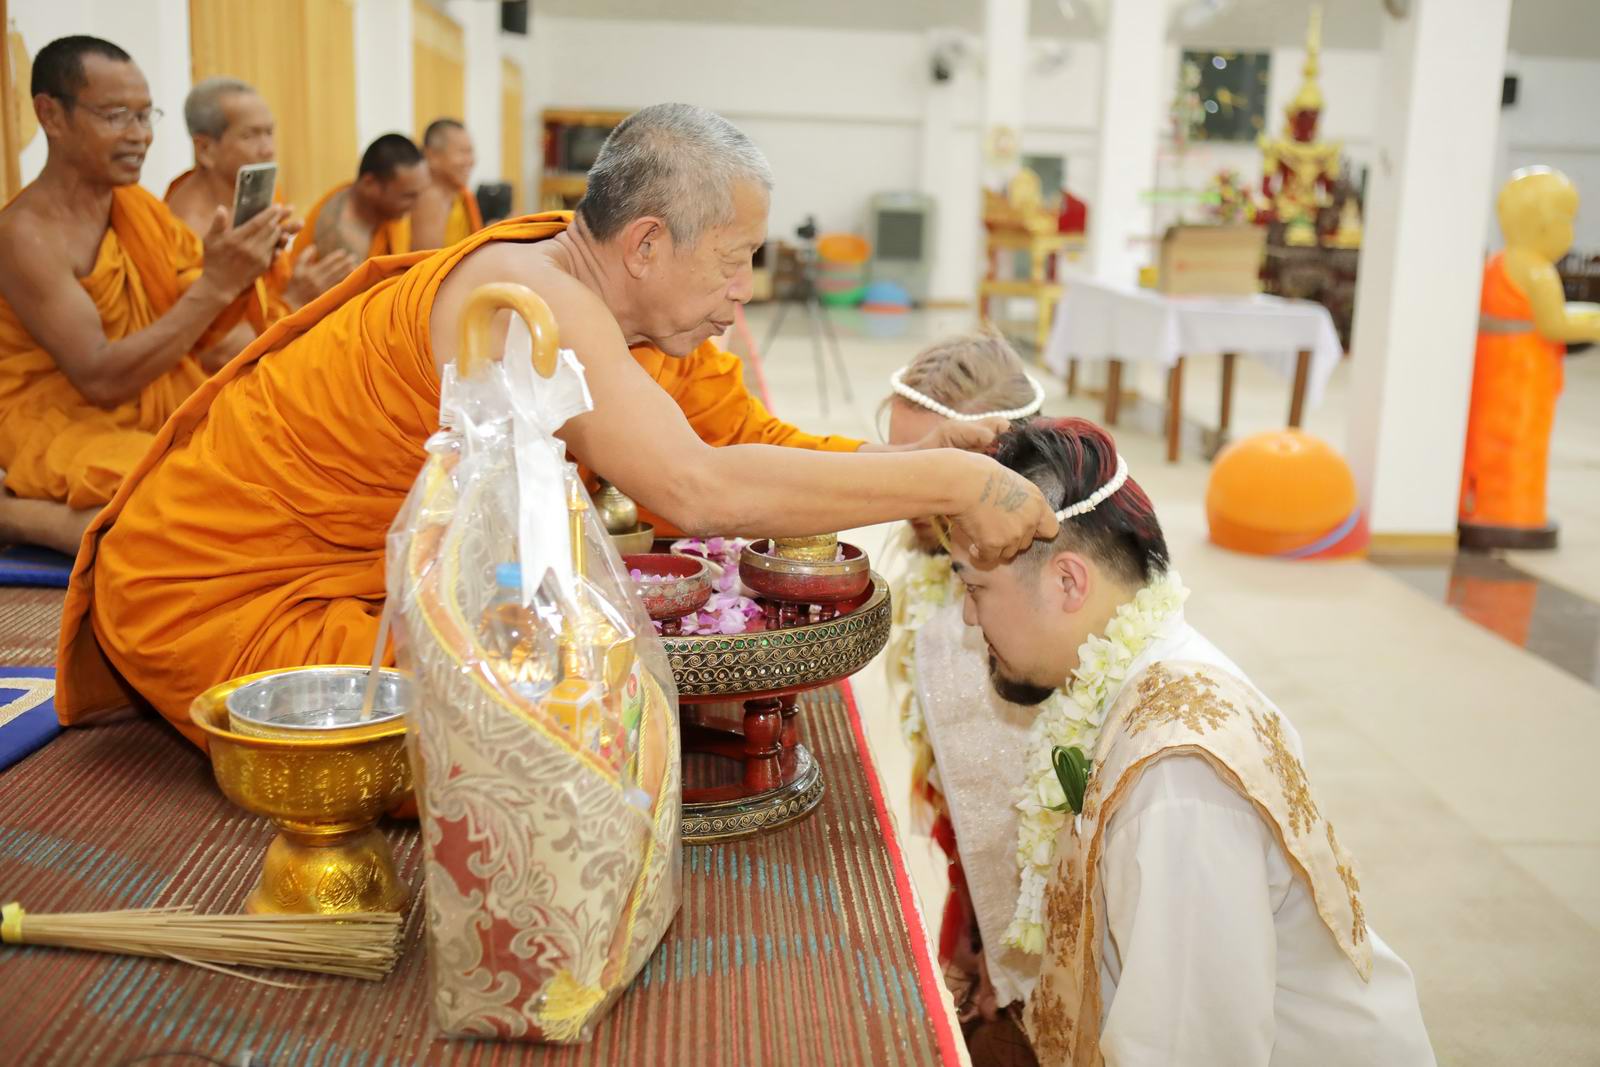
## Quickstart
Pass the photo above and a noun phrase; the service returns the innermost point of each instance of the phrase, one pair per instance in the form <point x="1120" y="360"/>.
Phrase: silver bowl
<point x="311" y="701"/>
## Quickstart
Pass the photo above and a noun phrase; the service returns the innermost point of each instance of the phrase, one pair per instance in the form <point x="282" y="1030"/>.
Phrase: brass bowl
<point x="323" y="787"/>
<point x="817" y="548"/>
<point x="795" y="581"/>
<point x="640" y="539"/>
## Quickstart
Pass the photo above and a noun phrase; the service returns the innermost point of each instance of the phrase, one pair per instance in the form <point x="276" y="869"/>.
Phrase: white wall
<point x="156" y="34"/>
<point x="1553" y="123"/>
<point x="383" y="69"/>
<point x="480" y="24"/>
<point x="842" y="114"/>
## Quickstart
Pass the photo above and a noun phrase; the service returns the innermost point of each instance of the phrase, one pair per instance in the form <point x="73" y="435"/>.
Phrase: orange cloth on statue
<point x="269" y="287"/>
<point x="391" y="238"/>
<point x="1516" y="381"/>
<point x="708" y="385"/>
<point x="465" y="218"/>
<point x="252" y="535"/>
<point x="55" y="444"/>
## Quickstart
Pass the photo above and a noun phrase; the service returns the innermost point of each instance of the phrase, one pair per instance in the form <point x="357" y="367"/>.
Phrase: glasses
<point x="121" y="118"/>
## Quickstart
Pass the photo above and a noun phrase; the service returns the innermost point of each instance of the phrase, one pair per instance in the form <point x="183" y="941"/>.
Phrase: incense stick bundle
<point x="356" y="945"/>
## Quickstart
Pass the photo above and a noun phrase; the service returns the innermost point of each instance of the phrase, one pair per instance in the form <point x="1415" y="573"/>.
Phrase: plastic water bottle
<point x="518" y="645"/>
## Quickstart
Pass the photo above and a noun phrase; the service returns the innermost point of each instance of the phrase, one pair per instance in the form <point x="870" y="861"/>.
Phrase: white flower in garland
<point x="1072" y="718"/>
<point x="930" y="583"/>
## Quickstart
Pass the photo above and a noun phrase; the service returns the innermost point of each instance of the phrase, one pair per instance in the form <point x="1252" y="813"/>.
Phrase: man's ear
<point x="645" y="241"/>
<point x="1066" y="580"/>
<point x="51" y="113"/>
<point x="204" y="149"/>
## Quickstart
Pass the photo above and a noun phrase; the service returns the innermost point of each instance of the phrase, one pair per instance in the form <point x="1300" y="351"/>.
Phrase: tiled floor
<point x="1456" y="764"/>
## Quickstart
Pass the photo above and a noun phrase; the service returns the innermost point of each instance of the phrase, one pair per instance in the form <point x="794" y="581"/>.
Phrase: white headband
<point x="1099" y="496"/>
<point x="897" y="383"/>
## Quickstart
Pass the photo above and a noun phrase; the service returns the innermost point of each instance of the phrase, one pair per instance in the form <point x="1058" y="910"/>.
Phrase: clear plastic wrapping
<point x="545" y="740"/>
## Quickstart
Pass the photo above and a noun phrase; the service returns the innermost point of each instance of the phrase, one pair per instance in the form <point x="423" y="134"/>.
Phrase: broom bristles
<point x="357" y="945"/>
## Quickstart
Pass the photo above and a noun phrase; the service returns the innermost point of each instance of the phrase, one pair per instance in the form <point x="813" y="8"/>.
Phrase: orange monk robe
<point x="270" y="286"/>
<point x="389" y="239"/>
<point x="55" y="444"/>
<point x="465" y="218"/>
<point x="1516" y="381"/>
<point x="251" y="537"/>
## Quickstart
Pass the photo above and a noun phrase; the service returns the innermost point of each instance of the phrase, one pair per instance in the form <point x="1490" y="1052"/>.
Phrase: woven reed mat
<point x="802" y="947"/>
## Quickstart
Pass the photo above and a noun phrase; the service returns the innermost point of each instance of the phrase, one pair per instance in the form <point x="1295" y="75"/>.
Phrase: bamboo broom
<point x="356" y="945"/>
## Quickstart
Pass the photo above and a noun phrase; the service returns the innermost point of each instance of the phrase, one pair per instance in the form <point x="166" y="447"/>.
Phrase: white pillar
<point x="1005" y="65"/>
<point x="1422" y="259"/>
<point x="1131" y="110"/>
<point x="383" y="69"/>
<point x="949" y="173"/>
<point x="480" y="26"/>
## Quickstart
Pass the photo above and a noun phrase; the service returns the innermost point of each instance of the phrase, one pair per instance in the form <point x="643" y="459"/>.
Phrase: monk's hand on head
<point x="971" y="436"/>
<point x="1005" y="514"/>
<point x="235" y="256"/>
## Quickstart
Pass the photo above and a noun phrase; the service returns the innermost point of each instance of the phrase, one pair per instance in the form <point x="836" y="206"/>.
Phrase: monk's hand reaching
<point x="315" y="272"/>
<point x="1006" y="513"/>
<point x="238" y="255"/>
<point x="969" y="436"/>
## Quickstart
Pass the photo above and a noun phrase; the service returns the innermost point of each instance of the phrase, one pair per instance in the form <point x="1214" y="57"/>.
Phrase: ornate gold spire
<point x="1309" y="98"/>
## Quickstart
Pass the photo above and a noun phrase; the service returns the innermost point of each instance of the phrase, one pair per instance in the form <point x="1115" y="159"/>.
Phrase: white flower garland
<point x="930" y="582"/>
<point x="1072" y="718"/>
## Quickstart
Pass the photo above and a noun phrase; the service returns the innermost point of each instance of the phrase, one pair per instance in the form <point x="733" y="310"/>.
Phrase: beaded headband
<point x="1099" y="496"/>
<point x="897" y="383"/>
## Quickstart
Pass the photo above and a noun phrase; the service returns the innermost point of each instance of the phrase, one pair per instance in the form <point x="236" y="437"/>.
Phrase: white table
<point x="1115" y="324"/>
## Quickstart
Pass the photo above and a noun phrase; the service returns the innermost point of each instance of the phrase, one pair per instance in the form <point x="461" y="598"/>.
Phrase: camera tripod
<point x="818" y="322"/>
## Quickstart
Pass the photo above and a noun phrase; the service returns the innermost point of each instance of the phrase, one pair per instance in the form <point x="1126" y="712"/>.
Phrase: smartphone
<point x="252" y="191"/>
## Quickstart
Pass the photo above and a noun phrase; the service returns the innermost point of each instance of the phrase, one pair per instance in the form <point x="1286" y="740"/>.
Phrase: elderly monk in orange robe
<point x="446" y="212"/>
<point x="232" y="126"/>
<point x="111" y="310"/>
<point x="370" y="217"/>
<point x="252" y="537"/>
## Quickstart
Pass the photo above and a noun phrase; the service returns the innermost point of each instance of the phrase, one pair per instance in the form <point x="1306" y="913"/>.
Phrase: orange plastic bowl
<point x="843" y="248"/>
<point x="1286" y="494"/>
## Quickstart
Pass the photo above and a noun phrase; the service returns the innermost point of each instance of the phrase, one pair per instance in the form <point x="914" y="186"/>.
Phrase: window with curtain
<point x="511" y="161"/>
<point x="438" y="65"/>
<point x="300" y="56"/>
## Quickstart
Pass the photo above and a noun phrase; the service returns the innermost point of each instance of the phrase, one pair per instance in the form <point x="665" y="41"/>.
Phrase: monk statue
<point x="112" y="311"/>
<point x="1299" y="171"/>
<point x="252" y="536"/>
<point x="371" y="216"/>
<point x="231" y="126"/>
<point x="1524" y="326"/>
<point x="446" y="212"/>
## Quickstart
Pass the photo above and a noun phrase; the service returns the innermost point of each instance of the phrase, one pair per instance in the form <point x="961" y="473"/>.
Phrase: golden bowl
<point x="636" y="541"/>
<point x="817" y="548"/>
<point x="325" y="786"/>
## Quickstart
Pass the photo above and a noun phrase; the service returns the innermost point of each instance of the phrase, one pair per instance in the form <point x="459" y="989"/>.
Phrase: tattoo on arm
<point x="1013" y="495"/>
<point x="988" y="488"/>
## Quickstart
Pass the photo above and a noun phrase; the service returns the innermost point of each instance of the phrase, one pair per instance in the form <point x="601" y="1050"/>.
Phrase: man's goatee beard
<point x="1014" y="691"/>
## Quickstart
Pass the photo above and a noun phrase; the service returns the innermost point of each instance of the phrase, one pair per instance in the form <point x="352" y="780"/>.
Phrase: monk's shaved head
<point x="438" y="132"/>
<point x="675" y="162"/>
<point x="58" y="68"/>
<point x="203" y="110"/>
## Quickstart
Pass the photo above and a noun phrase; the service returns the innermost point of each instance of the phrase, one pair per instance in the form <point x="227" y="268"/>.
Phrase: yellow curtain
<point x="14" y="120"/>
<point x="438" y="66"/>
<point x="511" y="162"/>
<point x="300" y="55"/>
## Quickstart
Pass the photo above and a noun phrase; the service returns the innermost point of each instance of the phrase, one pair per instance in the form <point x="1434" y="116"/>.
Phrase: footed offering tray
<point x="737" y="693"/>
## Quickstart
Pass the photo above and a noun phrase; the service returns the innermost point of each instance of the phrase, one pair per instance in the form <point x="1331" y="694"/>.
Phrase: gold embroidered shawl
<point x="1176" y="709"/>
